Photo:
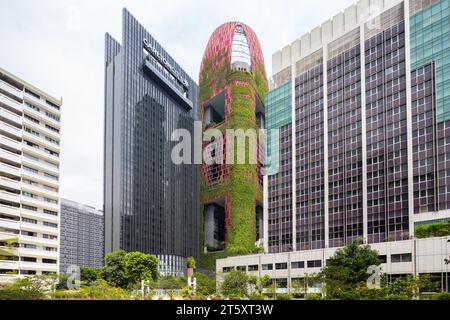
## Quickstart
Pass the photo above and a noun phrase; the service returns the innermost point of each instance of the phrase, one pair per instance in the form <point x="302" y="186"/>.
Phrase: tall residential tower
<point x="150" y="203"/>
<point x="29" y="178"/>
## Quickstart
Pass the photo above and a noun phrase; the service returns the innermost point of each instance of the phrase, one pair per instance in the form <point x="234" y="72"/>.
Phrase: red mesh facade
<point x="215" y="169"/>
<point x="221" y="40"/>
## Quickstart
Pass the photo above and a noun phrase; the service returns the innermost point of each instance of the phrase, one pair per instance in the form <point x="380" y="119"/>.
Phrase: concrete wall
<point x="328" y="31"/>
<point x="427" y="257"/>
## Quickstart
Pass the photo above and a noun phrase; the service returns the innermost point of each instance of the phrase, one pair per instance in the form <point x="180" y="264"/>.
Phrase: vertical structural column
<point x="265" y="212"/>
<point x="294" y="157"/>
<point x="325" y="145"/>
<point x="409" y="119"/>
<point x="363" y="129"/>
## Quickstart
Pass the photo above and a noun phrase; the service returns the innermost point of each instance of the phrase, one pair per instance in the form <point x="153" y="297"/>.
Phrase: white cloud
<point x="58" y="47"/>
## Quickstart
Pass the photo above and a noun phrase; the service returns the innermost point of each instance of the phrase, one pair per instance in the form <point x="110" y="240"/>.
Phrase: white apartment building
<point x="29" y="178"/>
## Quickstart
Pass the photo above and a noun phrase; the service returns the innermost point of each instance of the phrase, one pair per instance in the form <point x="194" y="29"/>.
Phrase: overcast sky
<point x="58" y="46"/>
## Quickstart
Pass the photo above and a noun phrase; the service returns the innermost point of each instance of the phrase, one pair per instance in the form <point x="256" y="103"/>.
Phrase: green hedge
<point x="438" y="229"/>
<point x="442" y="296"/>
<point x="19" y="294"/>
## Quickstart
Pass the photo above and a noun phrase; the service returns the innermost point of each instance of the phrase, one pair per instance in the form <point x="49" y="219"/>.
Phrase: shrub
<point x="170" y="282"/>
<point x="190" y="261"/>
<point x="205" y="285"/>
<point x="97" y="290"/>
<point x="187" y="293"/>
<point x="62" y="283"/>
<point x="284" y="296"/>
<point x="313" y="296"/>
<point x="28" y="288"/>
<point x="438" y="229"/>
<point x="257" y="296"/>
<point x="19" y="294"/>
<point x="68" y="294"/>
<point x="442" y="296"/>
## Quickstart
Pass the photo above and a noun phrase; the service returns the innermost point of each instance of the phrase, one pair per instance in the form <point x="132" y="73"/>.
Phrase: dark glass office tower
<point x="151" y="204"/>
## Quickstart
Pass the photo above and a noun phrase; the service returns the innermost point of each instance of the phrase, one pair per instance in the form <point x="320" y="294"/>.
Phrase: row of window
<point x="395" y="258"/>
<point x="46" y="211"/>
<point x="48" y="114"/>
<point x="34" y="234"/>
<point x="51" y="104"/>
<point x="36" y="146"/>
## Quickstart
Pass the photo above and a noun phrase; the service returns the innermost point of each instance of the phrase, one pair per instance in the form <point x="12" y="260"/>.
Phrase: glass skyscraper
<point x="150" y="204"/>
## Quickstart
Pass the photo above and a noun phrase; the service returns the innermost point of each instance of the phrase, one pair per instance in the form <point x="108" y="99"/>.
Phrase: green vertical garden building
<point x="233" y="85"/>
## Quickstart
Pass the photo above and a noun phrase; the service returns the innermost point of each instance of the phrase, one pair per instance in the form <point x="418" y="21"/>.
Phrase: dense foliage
<point x="346" y="273"/>
<point x="123" y="269"/>
<point x="190" y="261"/>
<point x="140" y="266"/>
<point x="347" y="268"/>
<point x="114" y="269"/>
<point x="28" y="288"/>
<point x="438" y="229"/>
<point x="89" y="275"/>
<point x="235" y="284"/>
<point x="170" y="282"/>
<point x="98" y="289"/>
<point x="206" y="285"/>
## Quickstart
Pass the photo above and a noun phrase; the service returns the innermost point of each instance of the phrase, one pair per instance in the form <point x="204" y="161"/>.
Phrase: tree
<point x="88" y="275"/>
<point x="206" y="286"/>
<point x="140" y="266"/>
<point x="406" y="288"/>
<point x="127" y="269"/>
<point x="258" y="284"/>
<point x="114" y="270"/>
<point x="362" y="292"/>
<point x="346" y="268"/>
<point x="235" y="284"/>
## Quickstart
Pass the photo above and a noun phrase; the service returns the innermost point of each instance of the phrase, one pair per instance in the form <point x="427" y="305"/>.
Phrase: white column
<point x="325" y="144"/>
<point x="408" y="120"/>
<point x="265" y="213"/>
<point x="363" y="131"/>
<point x="294" y="152"/>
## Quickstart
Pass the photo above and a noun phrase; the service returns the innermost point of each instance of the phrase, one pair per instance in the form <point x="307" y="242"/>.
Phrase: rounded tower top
<point x="237" y="43"/>
<point x="233" y="46"/>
